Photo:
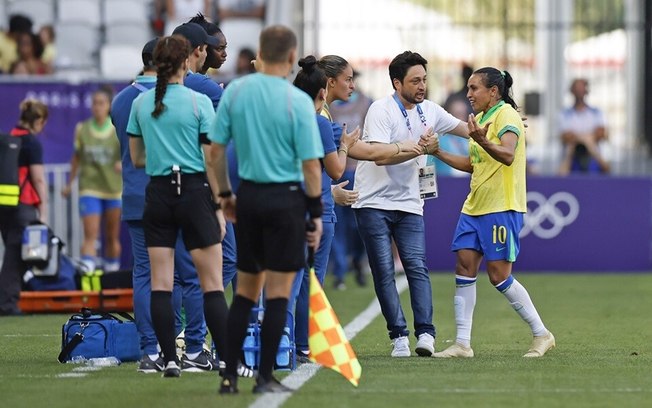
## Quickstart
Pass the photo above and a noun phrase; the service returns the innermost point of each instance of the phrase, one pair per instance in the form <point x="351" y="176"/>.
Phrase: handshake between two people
<point x="429" y="142"/>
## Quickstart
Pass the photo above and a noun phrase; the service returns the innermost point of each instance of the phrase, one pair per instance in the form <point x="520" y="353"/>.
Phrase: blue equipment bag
<point x="92" y="334"/>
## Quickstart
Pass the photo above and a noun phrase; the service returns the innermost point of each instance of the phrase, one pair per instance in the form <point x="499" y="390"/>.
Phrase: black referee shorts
<point x="193" y="212"/>
<point x="271" y="228"/>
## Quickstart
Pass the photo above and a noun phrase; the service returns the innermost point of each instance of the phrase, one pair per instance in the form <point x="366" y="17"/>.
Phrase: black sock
<point x="216" y="312"/>
<point x="163" y="322"/>
<point x="270" y="335"/>
<point x="237" y="324"/>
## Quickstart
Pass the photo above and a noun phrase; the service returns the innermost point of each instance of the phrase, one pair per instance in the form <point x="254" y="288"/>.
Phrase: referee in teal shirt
<point x="167" y="129"/>
<point x="277" y="142"/>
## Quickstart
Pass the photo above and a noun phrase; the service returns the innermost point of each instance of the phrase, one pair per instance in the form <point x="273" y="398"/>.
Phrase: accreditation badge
<point x="428" y="178"/>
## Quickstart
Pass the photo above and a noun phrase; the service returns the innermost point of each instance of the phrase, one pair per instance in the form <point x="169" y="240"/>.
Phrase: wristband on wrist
<point x="343" y="149"/>
<point x="225" y="194"/>
<point x="398" y="148"/>
<point x="315" y="207"/>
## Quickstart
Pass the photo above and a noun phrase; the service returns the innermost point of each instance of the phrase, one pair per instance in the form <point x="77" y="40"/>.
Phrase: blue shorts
<point x="493" y="235"/>
<point x="89" y="205"/>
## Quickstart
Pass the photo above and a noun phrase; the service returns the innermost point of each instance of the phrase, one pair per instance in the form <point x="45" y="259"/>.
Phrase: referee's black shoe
<point x="271" y="386"/>
<point x="229" y="385"/>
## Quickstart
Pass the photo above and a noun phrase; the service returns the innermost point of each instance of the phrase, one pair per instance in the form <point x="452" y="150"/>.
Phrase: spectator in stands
<point x="244" y="64"/>
<point x="582" y="130"/>
<point x="460" y="95"/>
<point x="241" y="21"/>
<point x="47" y="36"/>
<point x="30" y="51"/>
<point x="96" y="160"/>
<point x="32" y="206"/>
<point x="18" y="24"/>
<point x="180" y="11"/>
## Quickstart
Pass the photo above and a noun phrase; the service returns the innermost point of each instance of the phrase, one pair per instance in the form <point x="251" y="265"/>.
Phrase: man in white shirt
<point x="390" y="204"/>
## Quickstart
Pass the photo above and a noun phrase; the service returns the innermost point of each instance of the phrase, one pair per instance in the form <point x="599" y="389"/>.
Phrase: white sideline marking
<point x="71" y="375"/>
<point x="30" y="335"/>
<point x="306" y="371"/>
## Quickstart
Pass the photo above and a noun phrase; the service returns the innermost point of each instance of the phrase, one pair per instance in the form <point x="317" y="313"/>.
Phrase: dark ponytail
<point x="502" y="80"/>
<point x="311" y="78"/>
<point x="169" y="55"/>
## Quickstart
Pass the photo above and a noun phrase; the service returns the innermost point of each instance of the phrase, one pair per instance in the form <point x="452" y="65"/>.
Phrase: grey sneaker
<point x="401" y="347"/>
<point x="425" y="345"/>
<point x="149" y="366"/>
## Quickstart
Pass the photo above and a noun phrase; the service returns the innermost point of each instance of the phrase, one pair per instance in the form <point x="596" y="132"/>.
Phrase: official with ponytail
<point x="167" y="129"/>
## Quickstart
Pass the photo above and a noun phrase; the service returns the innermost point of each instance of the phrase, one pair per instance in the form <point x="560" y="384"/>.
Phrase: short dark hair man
<point x="274" y="157"/>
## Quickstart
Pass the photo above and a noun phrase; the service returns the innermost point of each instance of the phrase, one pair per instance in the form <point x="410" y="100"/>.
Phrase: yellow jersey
<point x="496" y="187"/>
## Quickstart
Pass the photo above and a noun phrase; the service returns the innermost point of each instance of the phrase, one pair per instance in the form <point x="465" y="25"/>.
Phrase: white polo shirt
<point x="396" y="187"/>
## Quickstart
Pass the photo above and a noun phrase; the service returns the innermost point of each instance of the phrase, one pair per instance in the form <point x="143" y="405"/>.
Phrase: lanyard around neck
<point x="422" y="117"/>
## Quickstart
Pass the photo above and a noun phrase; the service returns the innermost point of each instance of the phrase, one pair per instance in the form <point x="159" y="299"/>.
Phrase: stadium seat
<point x="4" y="24"/>
<point x="120" y="61"/>
<point x="80" y="11"/>
<point x="40" y="11"/>
<point x="77" y="45"/>
<point x="125" y="11"/>
<point x="136" y="34"/>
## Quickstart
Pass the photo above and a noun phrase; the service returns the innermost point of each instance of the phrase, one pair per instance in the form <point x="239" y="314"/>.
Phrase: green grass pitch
<point x="603" y="326"/>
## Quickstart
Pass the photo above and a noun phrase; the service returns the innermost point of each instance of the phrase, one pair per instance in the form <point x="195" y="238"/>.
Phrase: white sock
<point x="153" y="357"/>
<point x="464" y="301"/>
<point x="192" y="356"/>
<point x="521" y="302"/>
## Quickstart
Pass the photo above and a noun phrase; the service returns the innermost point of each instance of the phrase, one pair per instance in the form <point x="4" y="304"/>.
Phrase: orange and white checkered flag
<point x="328" y="343"/>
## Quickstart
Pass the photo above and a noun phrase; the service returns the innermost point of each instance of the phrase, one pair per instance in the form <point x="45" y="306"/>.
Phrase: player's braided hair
<point x="169" y="55"/>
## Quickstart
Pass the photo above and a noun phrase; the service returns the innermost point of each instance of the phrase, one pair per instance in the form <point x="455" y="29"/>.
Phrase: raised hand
<point x="349" y="139"/>
<point x="476" y="132"/>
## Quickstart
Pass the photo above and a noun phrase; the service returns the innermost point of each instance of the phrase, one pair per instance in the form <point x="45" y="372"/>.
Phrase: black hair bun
<point x="308" y="63"/>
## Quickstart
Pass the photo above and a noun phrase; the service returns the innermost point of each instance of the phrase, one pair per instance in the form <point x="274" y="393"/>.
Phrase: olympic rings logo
<point x="547" y="217"/>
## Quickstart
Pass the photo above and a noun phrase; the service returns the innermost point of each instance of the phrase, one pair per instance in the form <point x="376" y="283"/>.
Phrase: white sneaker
<point x="540" y="345"/>
<point x="425" y="345"/>
<point x="456" y="350"/>
<point x="401" y="347"/>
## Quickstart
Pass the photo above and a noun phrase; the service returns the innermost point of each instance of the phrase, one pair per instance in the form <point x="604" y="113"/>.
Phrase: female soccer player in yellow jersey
<point x="492" y="215"/>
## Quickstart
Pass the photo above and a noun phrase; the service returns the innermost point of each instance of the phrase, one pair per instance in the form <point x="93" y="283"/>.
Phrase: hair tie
<point x="502" y="73"/>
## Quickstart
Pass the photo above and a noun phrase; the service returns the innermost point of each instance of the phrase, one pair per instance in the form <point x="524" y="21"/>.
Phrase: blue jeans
<point x="186" y="291"/>
<point x="229" y="255"/>
<point x="377" y="228"/>
<point x="301" y="287"/>
<point x="347" y="240"/>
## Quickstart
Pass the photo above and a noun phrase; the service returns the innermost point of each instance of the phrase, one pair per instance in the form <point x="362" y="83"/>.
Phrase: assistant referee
<point x="278" y="146"/>
<point x="167" y="129"/>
